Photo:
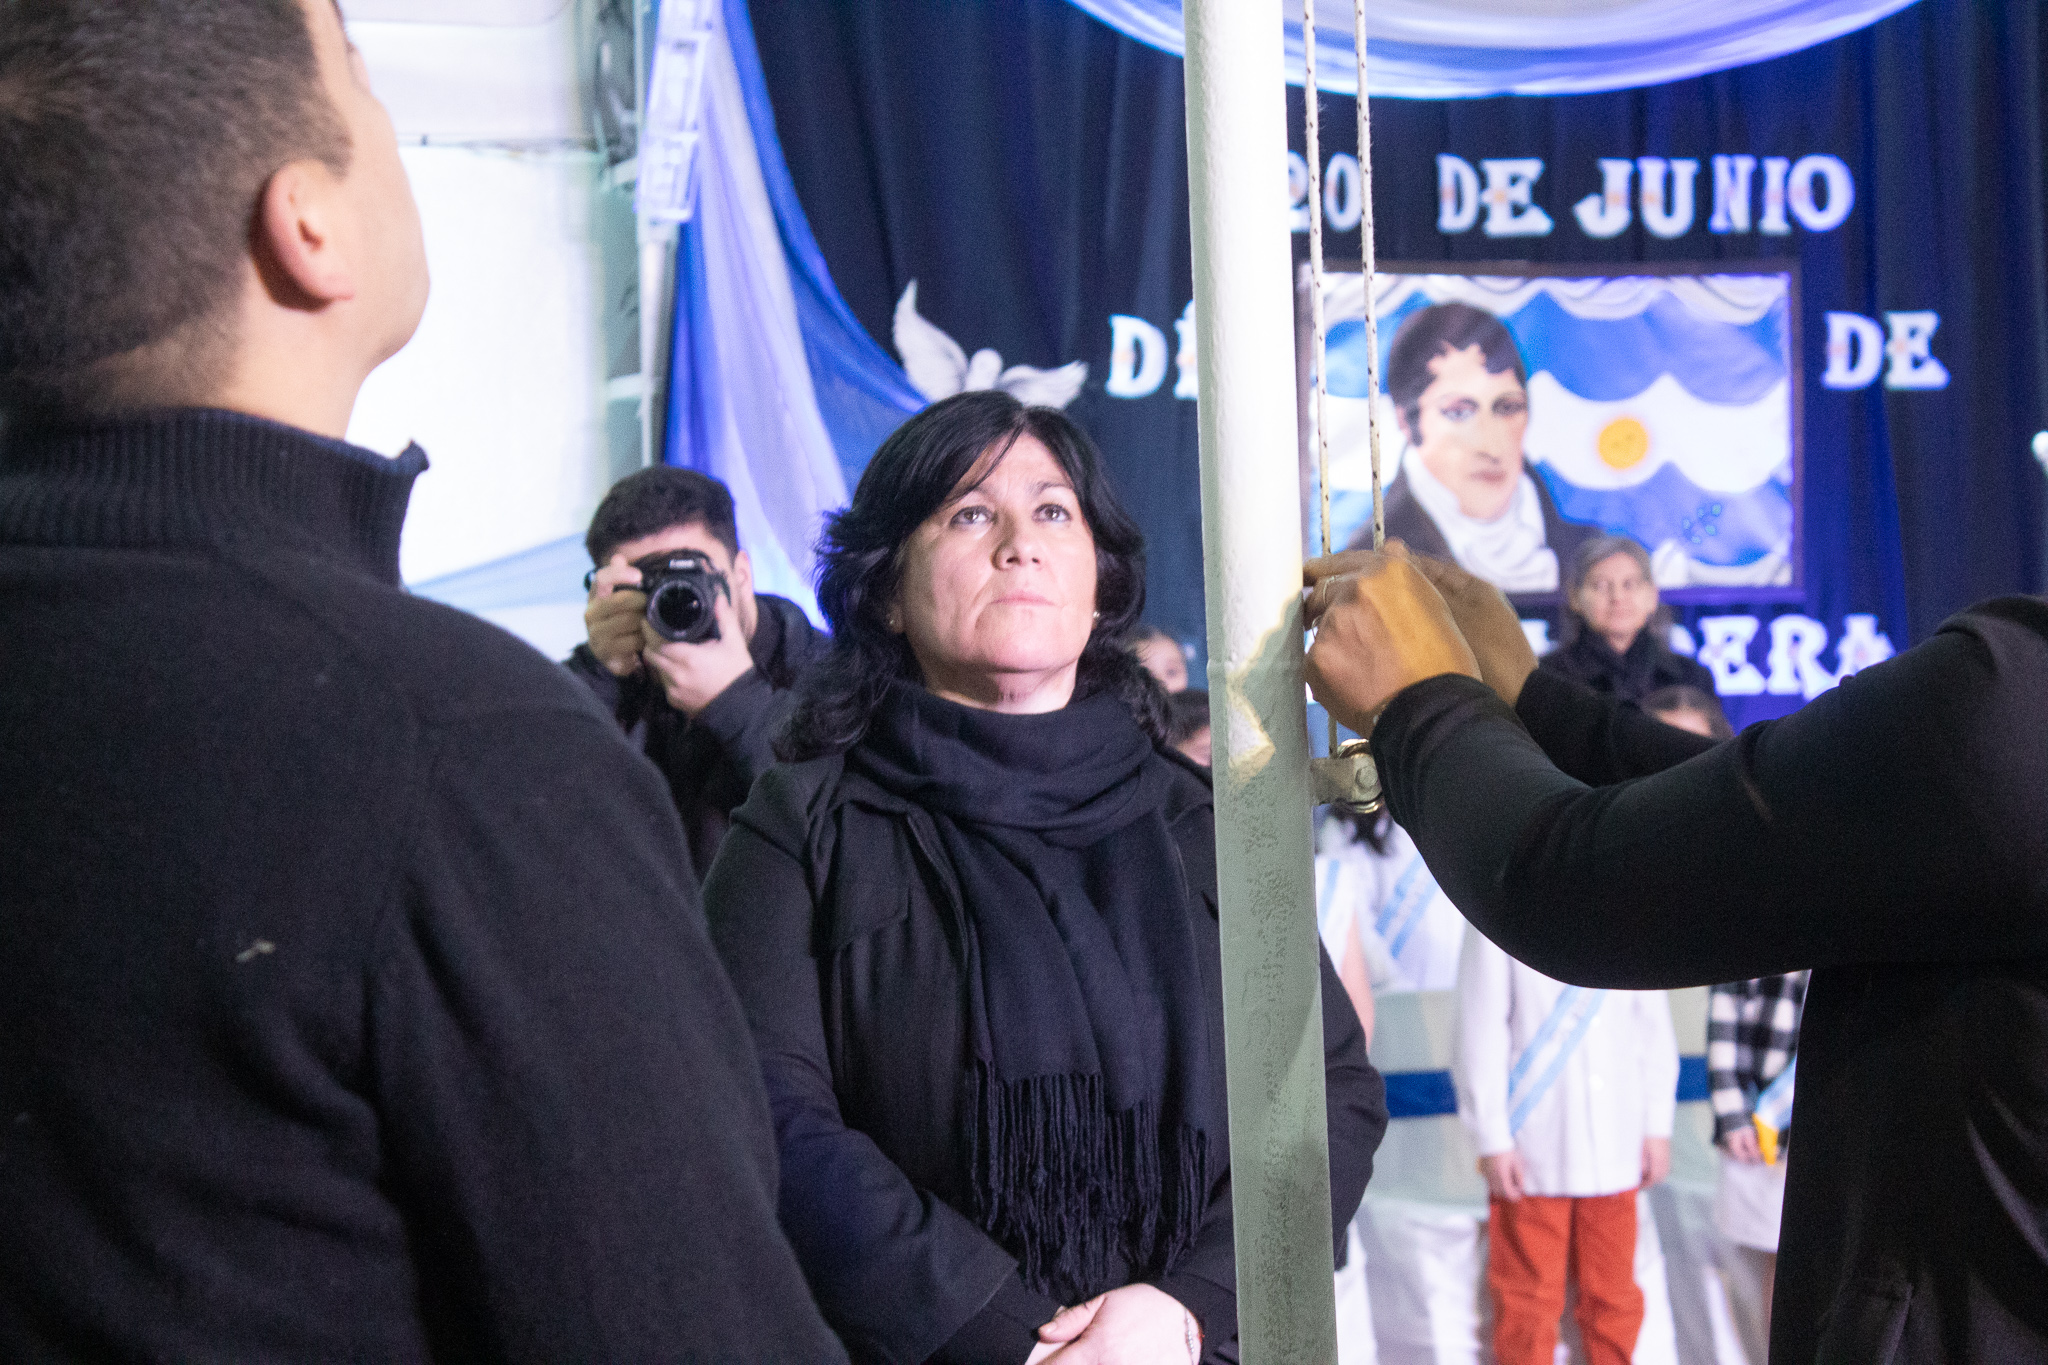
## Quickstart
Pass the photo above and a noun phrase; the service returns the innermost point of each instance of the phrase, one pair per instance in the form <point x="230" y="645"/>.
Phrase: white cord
<point x="1318" y="353"/>
<point x="1372" y="309"/>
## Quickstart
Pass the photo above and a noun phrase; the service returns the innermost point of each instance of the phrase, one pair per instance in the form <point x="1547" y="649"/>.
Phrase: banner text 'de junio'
<point x="1670" y="196"/>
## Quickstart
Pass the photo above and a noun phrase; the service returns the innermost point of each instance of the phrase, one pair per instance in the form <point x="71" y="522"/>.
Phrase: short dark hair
<point x="861" y="561"/>
<point x="1438" y="330"/>
<point x="1592" y="553"/>
<point x="1144" y="634"/>
<point x="135" y="141"/>
<point x="656" y="498"/>
<point x="1683" y="697"/>
<point x="1187" y="715"/>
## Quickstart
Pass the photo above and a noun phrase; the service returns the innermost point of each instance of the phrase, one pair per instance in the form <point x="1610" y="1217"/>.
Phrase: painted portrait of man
<point x="1465" y="489"/>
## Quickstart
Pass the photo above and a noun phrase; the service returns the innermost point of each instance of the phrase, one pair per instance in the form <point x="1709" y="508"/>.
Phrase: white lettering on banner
<point x="1732" y="175"/>
<point x="1775" y="170"/>
<point x="1607" y="214"/>
<point x="1817" y="190"/>
<point x="1855" y="351"/>
<point x="1863" y="644"/>
<point x="1724" y="651"/>
<point x="1297" y="191"/>
<point x="1794" y="658"/>
<point x="1137" y="357"/>
<point x="1858" y="348"/>
<point x="1796" y="669"/>
<point x="1913" y="364"/>
<point x="1831" y="171"/>
<point x="1667" y="215"/>
<point x="1510" y="183"/>
<point x="1343" y="197"/>
<point x="1457" y="194"/>
<point x="1185" y="385"/>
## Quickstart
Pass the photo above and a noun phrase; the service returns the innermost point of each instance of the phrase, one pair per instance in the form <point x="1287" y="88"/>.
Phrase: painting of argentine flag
<point x="1523" y="414"/>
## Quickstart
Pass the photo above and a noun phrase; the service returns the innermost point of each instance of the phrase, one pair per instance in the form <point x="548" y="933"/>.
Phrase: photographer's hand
<point x="615" y="617"/>
<point x="694" y="676"/>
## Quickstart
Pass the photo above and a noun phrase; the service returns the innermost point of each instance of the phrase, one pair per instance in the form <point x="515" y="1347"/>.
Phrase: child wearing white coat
<point x="1569" y="1095"/>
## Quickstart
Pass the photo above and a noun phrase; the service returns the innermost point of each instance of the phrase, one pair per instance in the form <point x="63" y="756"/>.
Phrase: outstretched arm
<point x="1897" y="818"/>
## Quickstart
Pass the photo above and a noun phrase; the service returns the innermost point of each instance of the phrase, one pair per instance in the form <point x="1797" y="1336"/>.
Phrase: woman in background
<point x="1614" y="632"/>
<point x="973" y="924"/>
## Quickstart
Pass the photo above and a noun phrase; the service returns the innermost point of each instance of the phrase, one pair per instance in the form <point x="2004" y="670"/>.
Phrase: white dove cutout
<point x="939" y="368"/>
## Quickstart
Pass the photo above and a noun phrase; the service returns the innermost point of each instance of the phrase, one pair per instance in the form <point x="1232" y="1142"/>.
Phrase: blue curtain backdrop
<point x="1025" y="164"/>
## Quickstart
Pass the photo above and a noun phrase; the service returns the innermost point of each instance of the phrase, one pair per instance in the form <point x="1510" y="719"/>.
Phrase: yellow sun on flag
<point x="1623" y="443"/>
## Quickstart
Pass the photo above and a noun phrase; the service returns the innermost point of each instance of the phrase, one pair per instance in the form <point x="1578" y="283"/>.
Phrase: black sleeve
<point x="1005" y="1332"/>
<point x="1596" y="737"/>
<point x="574" y="1123"/>
<point x="896" y="1269"/>
<point x="745" y="719"/>
<point x="1896" y="818"/>
<point x="1357" y="1100"/>
<point x="624" y="699"/>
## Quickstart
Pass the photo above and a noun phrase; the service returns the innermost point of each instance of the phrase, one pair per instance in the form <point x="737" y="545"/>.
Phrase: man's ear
<point x="742" y="572"/>
<point x="296" y="239"/>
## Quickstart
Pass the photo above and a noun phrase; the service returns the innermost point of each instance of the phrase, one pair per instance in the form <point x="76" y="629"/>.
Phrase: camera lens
<point x="678" y="610"/>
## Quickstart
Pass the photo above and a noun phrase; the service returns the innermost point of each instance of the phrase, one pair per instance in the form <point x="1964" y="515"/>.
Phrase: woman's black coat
<point x="1645" y="666"/>
<point x="836" y="916"/>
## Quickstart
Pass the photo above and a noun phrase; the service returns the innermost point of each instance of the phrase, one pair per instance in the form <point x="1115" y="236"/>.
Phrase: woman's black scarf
<point x="1091" y="1088"/>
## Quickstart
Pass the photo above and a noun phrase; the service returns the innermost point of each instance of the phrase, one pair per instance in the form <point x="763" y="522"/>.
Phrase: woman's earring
<point x="1098" y="616"/>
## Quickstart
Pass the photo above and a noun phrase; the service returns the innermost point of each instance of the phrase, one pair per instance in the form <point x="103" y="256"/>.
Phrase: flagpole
<point x="1252" y="536"/>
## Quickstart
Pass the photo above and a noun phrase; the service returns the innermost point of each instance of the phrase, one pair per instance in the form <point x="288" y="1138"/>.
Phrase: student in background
<point x="1162" y="657"/>
<point x="1569" y="1095"/>
<point x="1187" y="724"/>
<point x="1690" y="709"/>
<point x="1372" y="886"/>
<point x="1752" y="1038"/>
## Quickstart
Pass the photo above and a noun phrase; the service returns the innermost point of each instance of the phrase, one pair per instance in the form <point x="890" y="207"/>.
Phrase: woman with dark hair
<point x="1464" y="490"/>
<point x="973" y="923"/>
<point x="1614" y="633"/>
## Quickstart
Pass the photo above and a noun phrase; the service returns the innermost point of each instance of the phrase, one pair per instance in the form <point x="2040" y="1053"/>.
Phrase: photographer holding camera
<point x="684" y="653"/>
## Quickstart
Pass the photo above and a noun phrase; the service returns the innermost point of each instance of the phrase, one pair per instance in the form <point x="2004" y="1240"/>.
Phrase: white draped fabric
<point x="1465" y="49"/>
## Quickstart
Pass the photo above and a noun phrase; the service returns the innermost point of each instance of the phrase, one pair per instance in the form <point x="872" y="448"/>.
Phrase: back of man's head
<point x="653" y="500"/>
<point x="136" y="139"/>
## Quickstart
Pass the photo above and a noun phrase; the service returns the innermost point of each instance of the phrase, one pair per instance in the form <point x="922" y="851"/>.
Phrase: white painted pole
<point x="1251" y="529"/>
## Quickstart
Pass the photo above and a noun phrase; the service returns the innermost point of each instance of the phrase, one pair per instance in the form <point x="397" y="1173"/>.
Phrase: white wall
<point x="504" y="382"/>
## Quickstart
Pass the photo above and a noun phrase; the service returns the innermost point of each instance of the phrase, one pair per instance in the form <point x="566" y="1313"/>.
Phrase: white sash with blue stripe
<point x="1542" y="1062"/>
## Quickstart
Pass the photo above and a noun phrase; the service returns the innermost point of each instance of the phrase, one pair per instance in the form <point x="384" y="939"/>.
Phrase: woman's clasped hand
<point x="1136" y="1323"/>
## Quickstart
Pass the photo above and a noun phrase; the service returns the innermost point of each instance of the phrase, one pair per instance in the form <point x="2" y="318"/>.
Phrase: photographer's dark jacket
<point x="1893" y="836"/>
<point x="355" y="999"/>
<point x="711" y="761"/>
<point x="979" y="954"/>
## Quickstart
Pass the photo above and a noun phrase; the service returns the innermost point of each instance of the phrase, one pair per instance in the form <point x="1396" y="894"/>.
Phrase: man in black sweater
<point x="1892" y="836"/>
<point x="355" y="997"/>
<point x="706" y="711"/>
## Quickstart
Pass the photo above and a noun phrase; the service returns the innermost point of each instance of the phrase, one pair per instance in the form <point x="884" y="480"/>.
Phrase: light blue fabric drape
<point x="1423" y="49"/>
<point x="774" y="388"/>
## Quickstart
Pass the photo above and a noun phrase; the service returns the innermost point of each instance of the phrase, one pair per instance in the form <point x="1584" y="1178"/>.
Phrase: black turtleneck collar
<point x="202" y="477"/>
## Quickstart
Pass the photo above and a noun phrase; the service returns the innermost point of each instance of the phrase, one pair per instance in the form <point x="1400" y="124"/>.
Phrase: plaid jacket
<point x="1752" y="1031"/>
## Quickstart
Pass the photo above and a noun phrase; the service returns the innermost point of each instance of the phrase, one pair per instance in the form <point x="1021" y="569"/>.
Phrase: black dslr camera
<point x="681" y="587"/>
